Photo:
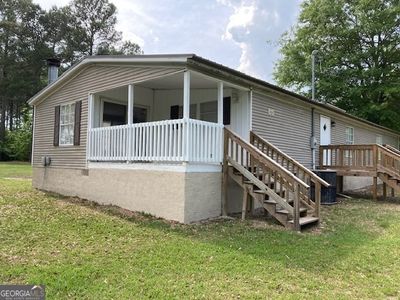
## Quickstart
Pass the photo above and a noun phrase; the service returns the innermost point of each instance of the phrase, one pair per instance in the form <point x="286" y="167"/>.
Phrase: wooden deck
<point x="373" y="160"/>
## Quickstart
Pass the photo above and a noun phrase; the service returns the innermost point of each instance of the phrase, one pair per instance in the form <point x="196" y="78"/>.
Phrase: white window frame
<point x="72" y="111"/>
<point x="349" y="137"/>
<point x="379" y="139"/>
<point x="348" y="153"/>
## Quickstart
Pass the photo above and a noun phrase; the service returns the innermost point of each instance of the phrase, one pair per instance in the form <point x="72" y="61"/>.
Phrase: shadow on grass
<point x="321" y="250"/>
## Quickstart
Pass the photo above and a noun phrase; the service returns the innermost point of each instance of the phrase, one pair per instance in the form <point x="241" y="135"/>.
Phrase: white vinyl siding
<point x="67" y="119"/>
<point x="91" y="79"/>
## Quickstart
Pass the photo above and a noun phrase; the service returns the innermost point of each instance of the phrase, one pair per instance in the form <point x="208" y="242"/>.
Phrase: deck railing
<point x="278" y="182"/>
<point x="171" y="140"/>
<point x="294" y="167"/>
<point x="348" y="157"/>
<point x="362" y="158"/>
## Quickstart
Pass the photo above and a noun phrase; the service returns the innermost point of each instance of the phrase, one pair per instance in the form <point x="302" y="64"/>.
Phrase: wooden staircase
<point x="276" y="182"/>
<point x="388" y="168"/>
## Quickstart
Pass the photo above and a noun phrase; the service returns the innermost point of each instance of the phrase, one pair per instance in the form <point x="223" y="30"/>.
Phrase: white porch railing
<point x="171" y="140"/>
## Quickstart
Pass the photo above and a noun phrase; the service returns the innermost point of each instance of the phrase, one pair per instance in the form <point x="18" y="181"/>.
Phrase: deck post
<point x="244" y="204"/>
<point x="317" y="199"/>
<point x="375" y="188"/>
<point x="186" y="113"/>
<point x="225" y="175"/>
<point x="220" y="103"/>
<point x="296" y="208"/>
<point x="384" y="190"/>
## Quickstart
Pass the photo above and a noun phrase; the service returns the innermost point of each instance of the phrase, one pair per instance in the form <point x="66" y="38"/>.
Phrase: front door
<point x="325" y="137"/>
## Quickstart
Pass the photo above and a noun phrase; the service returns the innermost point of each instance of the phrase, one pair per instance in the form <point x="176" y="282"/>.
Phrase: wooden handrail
<point x="267" y="174"/>
<point x="299" y="166"/>
<point x="393" y="149"/>
<point x="389" y="161"/>
<point x="370" y="157"/>
<point x="261" y="185"/>
<point x="269" y="162"/>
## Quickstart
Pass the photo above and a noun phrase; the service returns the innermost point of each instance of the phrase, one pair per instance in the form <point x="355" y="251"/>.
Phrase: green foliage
<point x="28" y="36"/>
<point x="127" y="48"/>
<point x="359" y="54"/>
<point x="17" y="143"/>
<point x="80" y="250"/>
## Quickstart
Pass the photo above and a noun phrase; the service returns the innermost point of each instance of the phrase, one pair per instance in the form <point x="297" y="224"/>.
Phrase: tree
<point x="92" y="24"/>
<point x="359" y="56"/>
<point x="22" y="50"/>
<point x="127" y="48"/>
<point x="28" y="36"/>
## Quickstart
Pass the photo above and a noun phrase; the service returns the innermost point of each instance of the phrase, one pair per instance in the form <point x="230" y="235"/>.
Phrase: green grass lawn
<point x="83" y="251"/>
<point x="15" y="170"/>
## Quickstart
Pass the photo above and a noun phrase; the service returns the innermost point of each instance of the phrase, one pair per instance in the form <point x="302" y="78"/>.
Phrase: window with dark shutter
<point x="77" y="123"/>
<point x="56" y="126"/>
<point x="227" y="111"/>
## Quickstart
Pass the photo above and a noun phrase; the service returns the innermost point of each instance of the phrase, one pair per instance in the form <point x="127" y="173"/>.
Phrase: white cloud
<point x="239" y="21"/>
<point x="251" y="25"/>
<point x="231" y="32"/>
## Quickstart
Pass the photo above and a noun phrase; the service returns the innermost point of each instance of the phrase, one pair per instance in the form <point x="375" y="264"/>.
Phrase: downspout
<point x="313" y="140"/>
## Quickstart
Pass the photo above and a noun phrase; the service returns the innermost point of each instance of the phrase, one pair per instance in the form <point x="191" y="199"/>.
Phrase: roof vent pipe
<point x="52" y="69"/>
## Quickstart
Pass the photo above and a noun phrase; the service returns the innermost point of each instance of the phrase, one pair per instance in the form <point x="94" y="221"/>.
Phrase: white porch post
<point x="131" y="99"/>
<point x="221" y="118"/>
<point x="131" y="103"/>
<point x="90" y="111"/>
<point x="186" y="94"/>
<point x="89" y="126"/>
<point x="186" y="114"/>
<point x="220" y="103"/>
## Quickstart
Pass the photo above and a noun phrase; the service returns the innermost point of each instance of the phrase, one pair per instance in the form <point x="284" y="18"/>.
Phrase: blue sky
<point x="241" y="34"/>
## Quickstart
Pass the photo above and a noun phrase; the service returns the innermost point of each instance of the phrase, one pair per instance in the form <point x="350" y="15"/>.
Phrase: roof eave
<point x="167" y="58"/>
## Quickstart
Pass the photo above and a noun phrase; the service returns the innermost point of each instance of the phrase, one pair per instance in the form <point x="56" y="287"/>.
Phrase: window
<point x="379" y="140"/>
<point x="67" y="120"/>
<point x="208" y="111"/>
<point x="349" y="135"/>
<point x="139" y="114"/>
<point x="113" y="114"/>
<point x="176" y="112"/>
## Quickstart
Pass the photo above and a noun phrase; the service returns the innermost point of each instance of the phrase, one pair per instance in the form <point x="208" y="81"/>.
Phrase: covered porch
<point x="175" y="118"/>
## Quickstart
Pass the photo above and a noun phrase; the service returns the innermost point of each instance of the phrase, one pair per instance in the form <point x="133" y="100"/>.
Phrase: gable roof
<point x="190" y="60"/>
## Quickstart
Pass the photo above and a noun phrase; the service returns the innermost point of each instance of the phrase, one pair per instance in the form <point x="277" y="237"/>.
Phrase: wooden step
<point x="285" y="212"/>
<point x="305" y="220"/>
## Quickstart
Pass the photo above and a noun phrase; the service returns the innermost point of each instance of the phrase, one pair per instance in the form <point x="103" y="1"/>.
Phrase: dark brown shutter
<point x="174" y="112"/>
<point x="227" y="111"/>
<point x="56" y="126"/>
<point x="77" y="124"/>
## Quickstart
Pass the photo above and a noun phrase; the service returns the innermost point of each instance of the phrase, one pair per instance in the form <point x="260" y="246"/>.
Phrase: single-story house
<point x="186" y="139"/>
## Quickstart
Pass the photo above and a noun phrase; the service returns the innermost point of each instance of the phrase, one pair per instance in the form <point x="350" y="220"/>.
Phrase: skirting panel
<point x="178" y="196"/>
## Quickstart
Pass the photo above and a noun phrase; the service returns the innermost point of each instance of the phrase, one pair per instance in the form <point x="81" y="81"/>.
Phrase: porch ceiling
<point x="176" y="82"/>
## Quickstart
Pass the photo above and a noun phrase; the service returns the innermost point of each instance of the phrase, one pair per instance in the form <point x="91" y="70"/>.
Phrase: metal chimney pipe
<point x="313" y="55"/>
<point x="52" y="69"/>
